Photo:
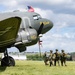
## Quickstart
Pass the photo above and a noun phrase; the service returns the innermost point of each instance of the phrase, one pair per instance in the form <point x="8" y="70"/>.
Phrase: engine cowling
<point x="26" y="36"/>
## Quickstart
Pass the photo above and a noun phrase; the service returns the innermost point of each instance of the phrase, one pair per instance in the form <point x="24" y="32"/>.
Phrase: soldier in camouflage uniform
<point x="63" y="58"/>
<point x="57" y="57"/>
<point x="45" y="58"/>
<point x="51" y="57"/>
<point x="0" y="56"/>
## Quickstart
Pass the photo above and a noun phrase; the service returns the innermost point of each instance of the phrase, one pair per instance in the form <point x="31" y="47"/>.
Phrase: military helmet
<point x="56" y="49"/>
<point x="62" y="50"/>
<point x="51" y="51"/>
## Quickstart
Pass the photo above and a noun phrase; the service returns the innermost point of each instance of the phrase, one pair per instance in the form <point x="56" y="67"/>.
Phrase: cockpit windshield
<point x="36" y="17"/>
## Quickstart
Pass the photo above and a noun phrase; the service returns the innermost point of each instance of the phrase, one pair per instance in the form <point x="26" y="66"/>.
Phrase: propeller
<point x="39" y="32"/>
<point x="40" y="29"/>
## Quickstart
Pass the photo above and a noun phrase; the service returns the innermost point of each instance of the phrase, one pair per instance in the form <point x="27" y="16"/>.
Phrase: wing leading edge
<point x="8" y="31"/>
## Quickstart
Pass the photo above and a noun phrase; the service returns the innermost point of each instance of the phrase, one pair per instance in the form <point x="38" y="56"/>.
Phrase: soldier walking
<point x="57" y="57"/>
<point x="45" y="58"/>
<point x="63" y="58"/>
<point x="51" y="58"/>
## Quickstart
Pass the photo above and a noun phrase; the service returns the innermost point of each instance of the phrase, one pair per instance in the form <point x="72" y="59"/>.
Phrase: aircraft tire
<point x="8" y="61"/>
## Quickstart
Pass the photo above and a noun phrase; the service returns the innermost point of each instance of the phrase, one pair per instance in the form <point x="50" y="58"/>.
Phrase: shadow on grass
<point x="2" y="69"/>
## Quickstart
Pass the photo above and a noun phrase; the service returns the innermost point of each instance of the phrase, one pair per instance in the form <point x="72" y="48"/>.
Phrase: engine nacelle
<point x="26" y="36"/>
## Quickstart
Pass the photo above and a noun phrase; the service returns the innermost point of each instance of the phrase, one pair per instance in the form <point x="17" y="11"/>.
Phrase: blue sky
<point x="60" y="12"/>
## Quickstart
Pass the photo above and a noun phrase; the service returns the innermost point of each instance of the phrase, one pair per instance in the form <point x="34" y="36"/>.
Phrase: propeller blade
<point x="40" y="29"/>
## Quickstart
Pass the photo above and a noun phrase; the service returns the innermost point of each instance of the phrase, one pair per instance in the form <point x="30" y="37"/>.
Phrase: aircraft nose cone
<point x="50" y="25"/>
<point x="47" y="25"/>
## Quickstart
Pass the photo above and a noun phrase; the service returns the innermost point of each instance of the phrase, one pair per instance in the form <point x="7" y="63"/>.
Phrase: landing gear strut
<point x="7" y="60"/>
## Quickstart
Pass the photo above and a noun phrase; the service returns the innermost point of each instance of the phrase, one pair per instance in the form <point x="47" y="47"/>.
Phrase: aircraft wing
<point x="8" y="30"/>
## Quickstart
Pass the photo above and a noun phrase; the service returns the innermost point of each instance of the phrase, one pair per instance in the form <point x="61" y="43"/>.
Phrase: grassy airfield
<point x="38" y="68"/>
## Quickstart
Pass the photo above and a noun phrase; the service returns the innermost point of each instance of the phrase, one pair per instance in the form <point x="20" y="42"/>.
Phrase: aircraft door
<point x="26" y="22"/>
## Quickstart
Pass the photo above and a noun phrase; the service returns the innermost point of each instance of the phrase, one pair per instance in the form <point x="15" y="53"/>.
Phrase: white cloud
<point x="44" y="13"/>
<point x="8" y="3"/>
<point x="65" y="3"/>
<point x="56" y="2"/>
<point x="59" y="42"/>
<point x="50" y="2"/>
<point x="69" y="36"/>
<point x="58" y="36"/>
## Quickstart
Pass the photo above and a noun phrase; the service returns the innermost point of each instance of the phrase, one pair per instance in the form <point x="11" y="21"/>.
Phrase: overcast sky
<point x="60" y="12"/>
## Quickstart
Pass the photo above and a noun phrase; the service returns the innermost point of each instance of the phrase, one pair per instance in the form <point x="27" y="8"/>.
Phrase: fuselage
<point x="29" y="27"/>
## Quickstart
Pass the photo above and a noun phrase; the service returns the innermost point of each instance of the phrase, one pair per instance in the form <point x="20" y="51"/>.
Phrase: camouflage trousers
<point x="63" y="61"/>
<point x="46" y="60"/>
<point x="51" y="62"/>
<point x="56" y="60"/>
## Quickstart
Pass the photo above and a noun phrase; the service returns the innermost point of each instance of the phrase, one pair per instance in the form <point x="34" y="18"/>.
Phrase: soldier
<point x="63" y="58"/>
<point x="51" y="57"/>
<point x="57" y="57"/>
<point x="45" y="58"/>
<point x="0" y="56"/>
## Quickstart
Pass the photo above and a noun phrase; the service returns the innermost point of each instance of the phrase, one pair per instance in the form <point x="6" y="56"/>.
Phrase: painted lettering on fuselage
<point x="45" y="23"/>
<point x="33" y="37"/>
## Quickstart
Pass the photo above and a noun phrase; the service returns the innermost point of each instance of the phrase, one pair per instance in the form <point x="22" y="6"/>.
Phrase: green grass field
<point x="38" y="68"/>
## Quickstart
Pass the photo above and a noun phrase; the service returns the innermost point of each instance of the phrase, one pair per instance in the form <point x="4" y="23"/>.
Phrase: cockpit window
<point x="36" y="17"/>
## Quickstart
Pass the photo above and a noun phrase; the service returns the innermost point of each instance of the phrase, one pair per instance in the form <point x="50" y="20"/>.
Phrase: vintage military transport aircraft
<point x="20" y="29"/>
